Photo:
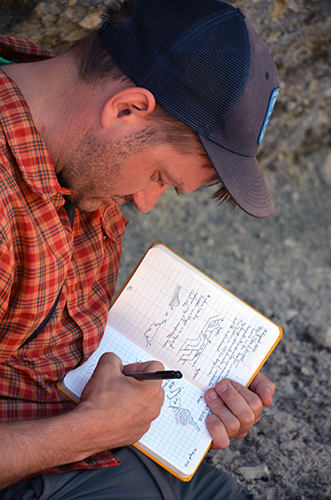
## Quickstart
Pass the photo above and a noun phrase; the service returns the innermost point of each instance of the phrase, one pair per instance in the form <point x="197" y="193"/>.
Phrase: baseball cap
<point x="206" y="66"/>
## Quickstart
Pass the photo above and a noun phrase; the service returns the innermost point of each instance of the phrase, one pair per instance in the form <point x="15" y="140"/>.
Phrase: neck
<point x="62" y="106"/>
<point x="47" y="87"/>
<point x="55" y="97"/>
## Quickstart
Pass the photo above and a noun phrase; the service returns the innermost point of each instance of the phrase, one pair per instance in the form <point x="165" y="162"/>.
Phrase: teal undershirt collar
<point x="4" y="61"/>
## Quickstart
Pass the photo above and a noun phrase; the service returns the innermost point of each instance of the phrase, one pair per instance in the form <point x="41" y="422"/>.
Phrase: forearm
<point x="29" y="447"/>
<point x="102" y="421"/>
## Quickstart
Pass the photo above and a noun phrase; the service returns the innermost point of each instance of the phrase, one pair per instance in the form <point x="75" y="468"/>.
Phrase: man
<point x="167" y="94"/>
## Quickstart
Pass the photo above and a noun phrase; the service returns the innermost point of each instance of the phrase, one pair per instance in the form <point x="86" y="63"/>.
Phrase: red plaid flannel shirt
<point x="39" y="252"/>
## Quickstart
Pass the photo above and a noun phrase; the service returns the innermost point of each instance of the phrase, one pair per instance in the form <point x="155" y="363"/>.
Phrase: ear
<point x="133" y="103"/>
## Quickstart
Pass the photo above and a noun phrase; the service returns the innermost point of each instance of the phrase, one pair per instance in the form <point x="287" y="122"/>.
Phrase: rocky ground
<point x="281" y="265"/>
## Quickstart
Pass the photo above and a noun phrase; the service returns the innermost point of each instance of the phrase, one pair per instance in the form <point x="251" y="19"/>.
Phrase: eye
<point x="157" y="178"/>
<point x="159" y="181"/>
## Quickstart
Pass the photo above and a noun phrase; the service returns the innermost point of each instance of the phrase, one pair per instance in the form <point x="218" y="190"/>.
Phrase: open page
<point x="178" y="438"/>
<point x="183" y="318"/>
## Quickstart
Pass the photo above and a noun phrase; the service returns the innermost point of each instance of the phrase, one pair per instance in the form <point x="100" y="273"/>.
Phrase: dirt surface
<point x="281" y="265"/>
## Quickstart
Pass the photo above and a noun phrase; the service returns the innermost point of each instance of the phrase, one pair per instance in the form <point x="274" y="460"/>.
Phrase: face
<point x="119" y="172"/>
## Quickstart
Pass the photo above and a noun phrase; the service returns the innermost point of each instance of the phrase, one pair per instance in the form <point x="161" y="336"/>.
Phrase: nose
<point x="145" y="199"/>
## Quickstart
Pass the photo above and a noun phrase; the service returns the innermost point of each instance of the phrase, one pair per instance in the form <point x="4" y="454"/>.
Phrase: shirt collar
<point x="23" y="139"/>
<point x="17" y="49"/>
<point x="113" y="222"/>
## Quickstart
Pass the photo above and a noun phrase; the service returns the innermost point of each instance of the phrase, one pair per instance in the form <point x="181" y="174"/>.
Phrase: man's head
<point x="97" y="67"/>
<point x="206" y="67"/>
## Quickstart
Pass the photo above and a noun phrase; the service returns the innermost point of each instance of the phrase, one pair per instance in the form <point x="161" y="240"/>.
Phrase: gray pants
<point x="137" y="478"/>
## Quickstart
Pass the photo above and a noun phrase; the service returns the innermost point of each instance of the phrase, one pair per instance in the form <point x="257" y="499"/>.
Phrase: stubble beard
<point x="93" y="159"/>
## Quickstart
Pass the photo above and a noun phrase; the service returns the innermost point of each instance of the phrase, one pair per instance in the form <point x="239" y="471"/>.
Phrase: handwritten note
<point x="189" y="322"/>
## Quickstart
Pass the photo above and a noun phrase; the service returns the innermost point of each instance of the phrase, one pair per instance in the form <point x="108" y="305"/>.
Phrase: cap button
<point x="242" y="12"/>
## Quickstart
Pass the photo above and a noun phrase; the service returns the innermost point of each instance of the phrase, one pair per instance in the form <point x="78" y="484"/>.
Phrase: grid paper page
<point x="179" y="434"/>
<point x="180" y="431"/>
<point x="76" y="379"/>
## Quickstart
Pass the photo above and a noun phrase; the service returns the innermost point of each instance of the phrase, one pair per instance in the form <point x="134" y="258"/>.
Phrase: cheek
<point x="135" y="184"/>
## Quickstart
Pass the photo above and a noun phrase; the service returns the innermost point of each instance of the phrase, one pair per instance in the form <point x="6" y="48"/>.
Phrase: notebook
<point x="170" y="311"/>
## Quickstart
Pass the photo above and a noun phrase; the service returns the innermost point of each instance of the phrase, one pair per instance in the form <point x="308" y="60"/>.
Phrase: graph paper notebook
<point x="170" y="311"/>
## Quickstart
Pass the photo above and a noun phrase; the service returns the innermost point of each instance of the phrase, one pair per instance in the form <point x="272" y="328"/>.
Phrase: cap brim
<point x="243" y="179"/>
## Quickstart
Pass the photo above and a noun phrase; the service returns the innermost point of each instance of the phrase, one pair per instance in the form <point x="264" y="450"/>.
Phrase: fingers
<point x="235" y="409"/>
<point x="108" y="380"/>
<point x="147" y="366"/>
<point x="218" y="432"/>
<point x="109" y="367"/>
<point x="109" y="393"/>
<point x="264" y="388"/>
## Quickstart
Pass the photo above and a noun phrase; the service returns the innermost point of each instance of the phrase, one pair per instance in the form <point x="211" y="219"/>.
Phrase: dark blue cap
<point x="207" y="67"/>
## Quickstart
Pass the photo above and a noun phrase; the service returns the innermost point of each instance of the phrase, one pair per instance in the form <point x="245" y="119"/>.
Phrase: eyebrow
<point x="179" y="186"/>
<point x="173" y="181"/>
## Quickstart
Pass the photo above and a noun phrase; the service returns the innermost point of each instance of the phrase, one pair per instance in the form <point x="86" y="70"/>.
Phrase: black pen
<point x="155" y="375"/>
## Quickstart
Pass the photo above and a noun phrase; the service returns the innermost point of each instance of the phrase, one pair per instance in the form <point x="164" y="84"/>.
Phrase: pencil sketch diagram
<point x="182" y="416"/>
<point x="193" y="348"/>
<point x="175" y="301"/>
<point x="154" y="328"/>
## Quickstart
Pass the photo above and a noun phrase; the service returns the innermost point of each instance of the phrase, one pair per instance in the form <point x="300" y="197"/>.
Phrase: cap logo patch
<point x="271" y="106"/>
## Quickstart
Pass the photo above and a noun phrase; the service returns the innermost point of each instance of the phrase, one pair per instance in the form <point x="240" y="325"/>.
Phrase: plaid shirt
<point x="40" y="252"/>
